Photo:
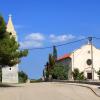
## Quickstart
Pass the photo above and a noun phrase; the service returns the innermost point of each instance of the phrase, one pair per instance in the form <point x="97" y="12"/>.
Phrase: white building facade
<point x="87" y="59"/>
<point x="10" y="74"/>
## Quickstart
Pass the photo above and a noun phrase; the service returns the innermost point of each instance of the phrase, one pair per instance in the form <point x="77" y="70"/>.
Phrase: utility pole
<point x="72" y="64"/>
<point x="92" y="66"/>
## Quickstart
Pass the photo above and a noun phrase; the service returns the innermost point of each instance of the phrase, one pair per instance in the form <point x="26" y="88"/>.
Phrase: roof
<point x="63" y="57"/>
<point x="10" y="26"/>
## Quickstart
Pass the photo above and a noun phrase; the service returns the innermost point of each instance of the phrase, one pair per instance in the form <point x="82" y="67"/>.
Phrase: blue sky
<point x="41" y="23"/>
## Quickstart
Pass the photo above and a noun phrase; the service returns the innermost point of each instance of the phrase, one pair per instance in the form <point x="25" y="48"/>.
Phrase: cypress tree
<point x="51" y="60"/>
<point x="54" y="52"/>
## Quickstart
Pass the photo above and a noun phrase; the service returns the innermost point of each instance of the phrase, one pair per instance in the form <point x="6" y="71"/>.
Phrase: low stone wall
<point x="79" y="81"/>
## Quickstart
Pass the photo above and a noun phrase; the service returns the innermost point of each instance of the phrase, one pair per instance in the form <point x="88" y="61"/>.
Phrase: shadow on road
<point x="9" y="85"/>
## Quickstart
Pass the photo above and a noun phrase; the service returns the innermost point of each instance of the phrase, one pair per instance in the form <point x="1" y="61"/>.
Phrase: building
<point x="65" y="61"/>
<point x="10" y="74"/>
<point x="86" y="59"/>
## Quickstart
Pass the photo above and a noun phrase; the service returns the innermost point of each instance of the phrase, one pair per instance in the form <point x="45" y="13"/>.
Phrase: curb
<point x="88" y="88"/>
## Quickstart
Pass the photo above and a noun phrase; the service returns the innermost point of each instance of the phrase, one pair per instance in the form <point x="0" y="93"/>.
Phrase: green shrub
<point x="36" y="80"/>
<point x="23" y="77"/>
<point x="78" y="75"/>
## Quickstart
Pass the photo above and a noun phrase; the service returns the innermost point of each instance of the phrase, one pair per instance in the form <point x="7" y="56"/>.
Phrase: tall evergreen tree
<point x="9" y="48"/>
<point x="51" y="60"/>
<point x="54" y="52"/>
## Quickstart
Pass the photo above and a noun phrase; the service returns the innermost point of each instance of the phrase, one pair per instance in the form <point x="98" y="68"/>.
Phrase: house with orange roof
<point x="65" y="61"/>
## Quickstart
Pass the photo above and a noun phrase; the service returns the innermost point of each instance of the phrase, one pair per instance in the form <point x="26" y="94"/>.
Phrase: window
<point x="10" y="68"/>
<point x="10" y="33"/>
<point x="89" y="51"/>
<point x="89" y="62"/>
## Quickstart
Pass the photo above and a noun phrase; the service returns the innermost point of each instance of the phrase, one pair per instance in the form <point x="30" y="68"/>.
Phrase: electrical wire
<point x="59" y="45"/>
<point x="96" y="38"/>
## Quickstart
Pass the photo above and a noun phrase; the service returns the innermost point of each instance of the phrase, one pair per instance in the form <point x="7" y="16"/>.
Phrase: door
<point x="89" y="75"/>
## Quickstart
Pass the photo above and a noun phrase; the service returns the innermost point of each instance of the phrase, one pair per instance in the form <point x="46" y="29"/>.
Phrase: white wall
<point x="10" y="74"/>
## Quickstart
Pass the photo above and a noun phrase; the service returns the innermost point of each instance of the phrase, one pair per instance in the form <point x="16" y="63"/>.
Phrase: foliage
<point x="51" y="60"/>
<point x="49" y="65"/>
<point x="2" y="26"/>
<point x="36" y="80"/>
<point x="22" y="77"/>
<point x="59" y="72"/>
<point x="9" y="53"/>
<point x="54" y="52"/>
<point x="98" y="74"/>
<point x="47" y="73"/>
<point x="78" y="75"/>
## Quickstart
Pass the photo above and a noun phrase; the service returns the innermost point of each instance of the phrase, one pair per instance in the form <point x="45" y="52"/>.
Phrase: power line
<point x="96" y="38"/>
<point x="71" y="42"/>
<point x="59" y="45"/>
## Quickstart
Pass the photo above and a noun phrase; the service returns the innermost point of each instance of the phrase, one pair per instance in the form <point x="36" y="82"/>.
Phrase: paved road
<point x="47" y="91"/>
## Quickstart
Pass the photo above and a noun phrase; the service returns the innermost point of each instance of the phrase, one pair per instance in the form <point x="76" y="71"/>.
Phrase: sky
<point x="41" y="23"/>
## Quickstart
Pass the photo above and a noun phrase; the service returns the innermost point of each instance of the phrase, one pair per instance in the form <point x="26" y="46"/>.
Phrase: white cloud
<point x="30" y="44"/>
<point x="36" y="40"/>
<point x="35" y="37"/>
<point x="61" y="38"/>
<point x="33" y="40"/>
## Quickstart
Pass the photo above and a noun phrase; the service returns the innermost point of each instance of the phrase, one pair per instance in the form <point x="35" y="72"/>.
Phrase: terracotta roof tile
<point x="64" y="57"/>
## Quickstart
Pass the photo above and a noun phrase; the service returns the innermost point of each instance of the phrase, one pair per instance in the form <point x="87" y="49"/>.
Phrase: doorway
<point x="89" y="75"/>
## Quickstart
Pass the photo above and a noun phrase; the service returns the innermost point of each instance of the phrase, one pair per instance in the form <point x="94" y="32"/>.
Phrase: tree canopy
<point x="9" y="48"/>
<point x="2" y="26"/>
<point x="59" y="72"/>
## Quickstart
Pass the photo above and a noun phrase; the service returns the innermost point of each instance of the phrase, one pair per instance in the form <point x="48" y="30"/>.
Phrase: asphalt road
<point x="47" y="91"/>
